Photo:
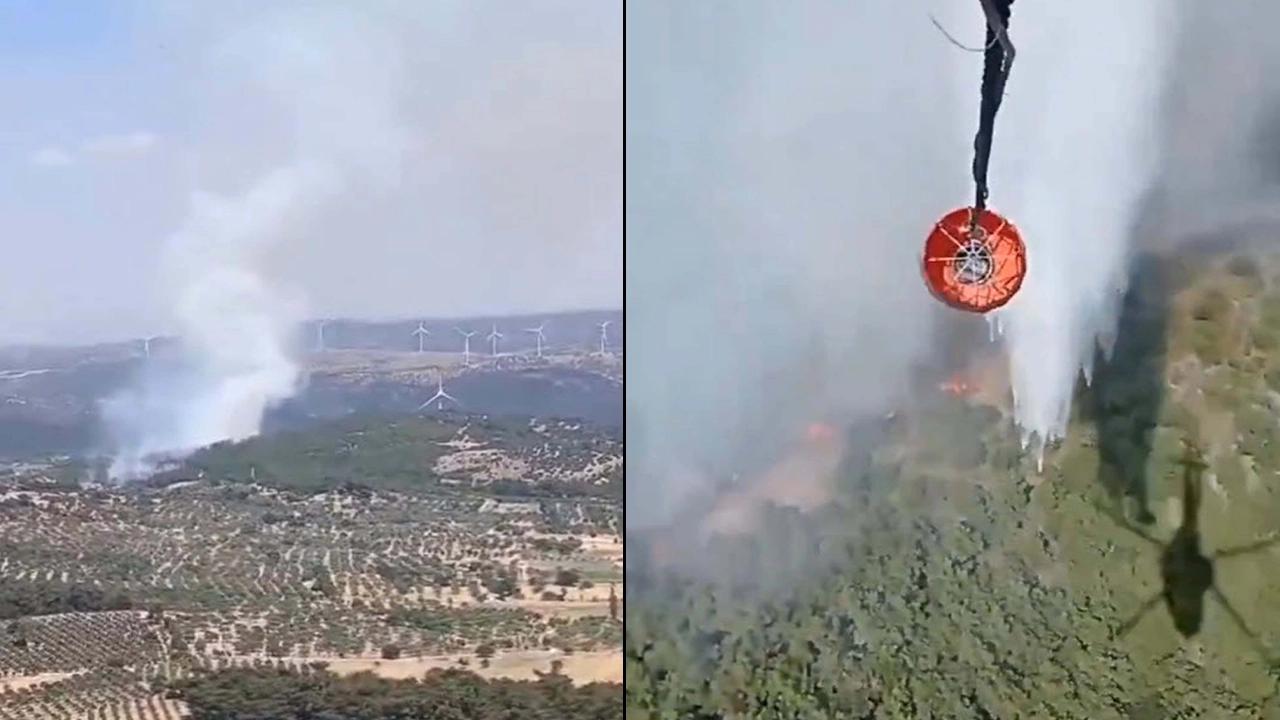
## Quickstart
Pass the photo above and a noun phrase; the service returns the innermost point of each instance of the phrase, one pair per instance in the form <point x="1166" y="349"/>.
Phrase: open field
<point x="583" y="667"/>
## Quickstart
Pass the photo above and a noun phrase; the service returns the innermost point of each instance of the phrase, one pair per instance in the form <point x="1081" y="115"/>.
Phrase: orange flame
<point x="958" y="385"/>
<point x="819" y="433"/>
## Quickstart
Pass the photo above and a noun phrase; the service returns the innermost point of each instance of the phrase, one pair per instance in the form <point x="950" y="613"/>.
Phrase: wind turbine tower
<point x="320" y="335"/>
<point x="440" y="396"/>
<point x="146" y="346"/>
<point x="422" y="334"/>
<point x="604" y="336"/>
<point x="537" y="333"/>
<point x="466" y="345"/>
<point x="493" y="337"/>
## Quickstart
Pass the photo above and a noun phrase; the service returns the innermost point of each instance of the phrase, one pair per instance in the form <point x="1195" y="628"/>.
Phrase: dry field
<point x="148" y="585"/>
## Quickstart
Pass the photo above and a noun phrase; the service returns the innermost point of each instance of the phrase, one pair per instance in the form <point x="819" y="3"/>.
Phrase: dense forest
<point x="40" y="597"/>
<point x="399" y="454"/>
<point x="947" y="576"/>
<point x="316" y="694"/>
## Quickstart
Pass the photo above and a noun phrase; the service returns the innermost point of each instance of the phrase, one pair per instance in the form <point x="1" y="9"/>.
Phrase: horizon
<point x="310" y="322"/>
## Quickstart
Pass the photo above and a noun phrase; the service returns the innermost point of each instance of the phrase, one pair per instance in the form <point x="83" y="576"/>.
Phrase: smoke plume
<point x="332" y="77"/>
<point x="1220" y="136"/>
<point x="785" y="161"/>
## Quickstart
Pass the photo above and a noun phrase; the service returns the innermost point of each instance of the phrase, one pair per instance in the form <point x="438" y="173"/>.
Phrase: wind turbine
<point x="422" y="334"/>
<point x="537" y="332"/>
<point x="440" y="396"/>
<point x="146" y="346"/>
<point x="604" y="336"/>
<point x="320" y="335"/>
<point x="466" y="345"/>
<point x="493" y="337"/>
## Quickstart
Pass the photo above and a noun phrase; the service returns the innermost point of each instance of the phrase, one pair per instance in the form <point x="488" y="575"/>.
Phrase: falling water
<point x="1073" y="156"/>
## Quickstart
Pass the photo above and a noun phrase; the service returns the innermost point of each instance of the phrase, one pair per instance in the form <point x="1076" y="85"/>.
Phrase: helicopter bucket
<point x="974" y="267"/>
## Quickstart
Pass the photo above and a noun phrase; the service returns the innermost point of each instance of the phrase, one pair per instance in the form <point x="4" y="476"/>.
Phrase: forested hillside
<point x="948" y="577"/>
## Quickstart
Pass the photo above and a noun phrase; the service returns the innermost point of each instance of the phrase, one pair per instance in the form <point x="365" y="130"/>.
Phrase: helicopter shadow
<point x="1128" y="388"/>
<point x="1186" y="572"/>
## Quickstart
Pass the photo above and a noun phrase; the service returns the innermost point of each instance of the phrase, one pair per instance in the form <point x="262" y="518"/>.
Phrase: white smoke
<point x="235" y="321"/>
<point x="785" y="161"/>
<point x="1075" y="151"/>
<point x="333" y="75"/>
<point x="1220" y="159"/>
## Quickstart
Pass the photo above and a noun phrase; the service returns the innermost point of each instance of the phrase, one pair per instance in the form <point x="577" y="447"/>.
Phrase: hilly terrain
<point x="50" y="397"/>
<point x="929" y="567"/>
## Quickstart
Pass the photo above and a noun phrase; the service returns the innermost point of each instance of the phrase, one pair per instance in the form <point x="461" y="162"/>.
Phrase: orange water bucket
<point x="974" y="267"/>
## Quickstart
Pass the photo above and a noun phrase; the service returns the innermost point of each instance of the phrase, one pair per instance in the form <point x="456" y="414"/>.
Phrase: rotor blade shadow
<point x="1137" y="616"/>
<point x="1246" y="549"/>
<point x="1243" y="627"/>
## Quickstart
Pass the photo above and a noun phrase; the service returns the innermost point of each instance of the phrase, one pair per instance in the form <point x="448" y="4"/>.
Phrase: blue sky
<point x="40" y="27"/>
<point x="117" y="112"/>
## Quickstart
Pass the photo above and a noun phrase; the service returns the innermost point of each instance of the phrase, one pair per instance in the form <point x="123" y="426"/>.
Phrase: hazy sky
<point x="505" y="193"/>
